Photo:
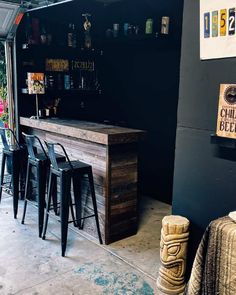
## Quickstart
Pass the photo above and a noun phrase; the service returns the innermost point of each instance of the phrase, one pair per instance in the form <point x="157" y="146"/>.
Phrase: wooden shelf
<point x="139" y="41"/>
<point x="59" y="50"/>
<point x="69" y="91"/>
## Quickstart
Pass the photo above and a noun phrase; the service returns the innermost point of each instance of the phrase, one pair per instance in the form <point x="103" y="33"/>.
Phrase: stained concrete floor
<point x="31" y="266"/>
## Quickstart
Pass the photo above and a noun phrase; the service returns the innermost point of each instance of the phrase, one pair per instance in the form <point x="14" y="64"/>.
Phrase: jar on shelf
<point x="149" y="26"/>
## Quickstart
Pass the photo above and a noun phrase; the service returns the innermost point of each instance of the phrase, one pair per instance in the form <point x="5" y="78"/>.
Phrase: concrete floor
<point x="31" y="266"/>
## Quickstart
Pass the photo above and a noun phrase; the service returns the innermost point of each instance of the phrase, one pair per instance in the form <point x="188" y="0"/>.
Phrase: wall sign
<point x="82" y="65"/>
<point x="217" y="29"/>
<point x="226" y="122"/>
<point x="36" y="83"/>
<point x="57" y="65"/>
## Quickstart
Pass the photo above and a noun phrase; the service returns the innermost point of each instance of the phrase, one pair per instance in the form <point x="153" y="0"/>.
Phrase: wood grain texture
<point x="115" y="178"/>
<point x="94" y="132"/>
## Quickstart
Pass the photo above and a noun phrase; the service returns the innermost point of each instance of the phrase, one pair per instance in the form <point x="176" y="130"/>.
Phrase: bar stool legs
<point x="66" y="202"/>
<point x="15" y="177"/>
<point x="64" y="194"/>
<point x="91" y="183"/>
<point x="15" y="182"/>
<point x="49" y="198"/>
<point x="41" y="188"/>
<point x="26" y="191"/>
<point x="78" y="201"/>
<point x="2" y="173"/>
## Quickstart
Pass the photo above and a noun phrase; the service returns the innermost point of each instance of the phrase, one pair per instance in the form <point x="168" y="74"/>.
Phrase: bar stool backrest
<point x="31" y="141"/>
<point x="52" y="154"/>
<point x="3" y="135"/>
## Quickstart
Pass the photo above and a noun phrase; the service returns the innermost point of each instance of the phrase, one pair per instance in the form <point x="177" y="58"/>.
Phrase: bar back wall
<point x="139" y="78"/>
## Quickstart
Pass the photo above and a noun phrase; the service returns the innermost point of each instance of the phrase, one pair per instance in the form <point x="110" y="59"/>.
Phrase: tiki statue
<point x="173" y="252"/>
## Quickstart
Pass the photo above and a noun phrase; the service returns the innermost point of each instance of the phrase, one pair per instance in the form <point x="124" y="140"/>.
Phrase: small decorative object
<point x="126" y="29"/>
<point x="109" y="33"/>
<point x="87" y="27"/>
<point x="149" y="26"/>
<point x="116" y="30"/>
<point x="226" y="122"/>
<point x="67" y="82"/>
<point x="36" y="86"/>
<point x="43" y="35"/>
<point x="136" y="30"/>
<point x="49" y="81"/>
<point x="86" y="65"/>
<point x="173" y="253"/>
<point x="71" y="36"/>
<point x="165" y="21"/>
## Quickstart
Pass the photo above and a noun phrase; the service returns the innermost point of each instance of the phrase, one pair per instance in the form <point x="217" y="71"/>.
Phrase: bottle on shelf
<point x="87" y="28"/>
<point x="43" y="35"/>
<point x="149" y="26"/>
<point x="28" y="30"/>
<point x="71" y="81"/>
<point x="67" y="82"/>
<point x="71" y="36"/>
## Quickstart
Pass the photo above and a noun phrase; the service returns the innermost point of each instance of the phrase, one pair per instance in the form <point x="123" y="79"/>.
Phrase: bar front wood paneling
<point x="112" y="152"/>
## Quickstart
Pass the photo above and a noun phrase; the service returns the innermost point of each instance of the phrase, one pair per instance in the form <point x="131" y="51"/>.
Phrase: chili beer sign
<point x="217" y="29"/>
<point x="226" y="121"/>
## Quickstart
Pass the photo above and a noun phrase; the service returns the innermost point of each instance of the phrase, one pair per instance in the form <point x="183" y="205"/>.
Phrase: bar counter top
<point x="85" y="130"/>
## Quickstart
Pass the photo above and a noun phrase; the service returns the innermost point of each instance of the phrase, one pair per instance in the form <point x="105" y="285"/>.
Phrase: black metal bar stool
<point x="14" y="156"/>
<point x="40" y="161"/>
<point x="66" y="172"/>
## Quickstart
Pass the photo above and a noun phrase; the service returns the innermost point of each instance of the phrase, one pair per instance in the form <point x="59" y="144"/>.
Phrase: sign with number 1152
<point x="217" y="27"/>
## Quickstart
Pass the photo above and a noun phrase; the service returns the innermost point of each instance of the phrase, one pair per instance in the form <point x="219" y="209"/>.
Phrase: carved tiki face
<point x="173" y="252"/>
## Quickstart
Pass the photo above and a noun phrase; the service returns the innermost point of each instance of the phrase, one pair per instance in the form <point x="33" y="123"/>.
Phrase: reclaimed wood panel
<point x="90" y="131"/>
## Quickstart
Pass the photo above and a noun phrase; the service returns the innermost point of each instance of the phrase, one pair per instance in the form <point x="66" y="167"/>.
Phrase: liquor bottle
<point x="71" y="82"/>
<point x="74" y="40"/>
<point x="28" y="30"/>
<point x="71" y="36"/>
<point x="43" y="35"/>
<point x="149" y="26"/>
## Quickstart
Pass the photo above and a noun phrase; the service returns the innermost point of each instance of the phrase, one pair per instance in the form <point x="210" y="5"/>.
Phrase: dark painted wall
<point x="139" y="79"/>
<point x="141" y="86"/>
<point x="205" y="175"/>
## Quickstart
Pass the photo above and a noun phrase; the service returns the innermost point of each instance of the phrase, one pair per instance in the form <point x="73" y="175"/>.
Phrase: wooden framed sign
<point x="36" y="83"/>
<point x="217" y="29"/>
<point x="57" y="65"/>
<point x="226" y="121"/>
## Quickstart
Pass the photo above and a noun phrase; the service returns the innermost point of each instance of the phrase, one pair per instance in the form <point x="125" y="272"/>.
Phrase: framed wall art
<point x="226" y="121"/>
<point x="217" y="29"/>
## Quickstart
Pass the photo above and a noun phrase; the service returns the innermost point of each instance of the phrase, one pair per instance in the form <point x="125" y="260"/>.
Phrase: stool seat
<point x="65" y="166"/>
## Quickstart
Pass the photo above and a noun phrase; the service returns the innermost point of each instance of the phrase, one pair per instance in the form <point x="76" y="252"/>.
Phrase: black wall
<point x="205" y="175"/>
<point x="141" y="85"/>
<point x="139" y="79"/>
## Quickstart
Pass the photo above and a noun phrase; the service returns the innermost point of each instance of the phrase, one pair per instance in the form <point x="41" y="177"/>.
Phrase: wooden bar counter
<point x="112" y="153"/>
